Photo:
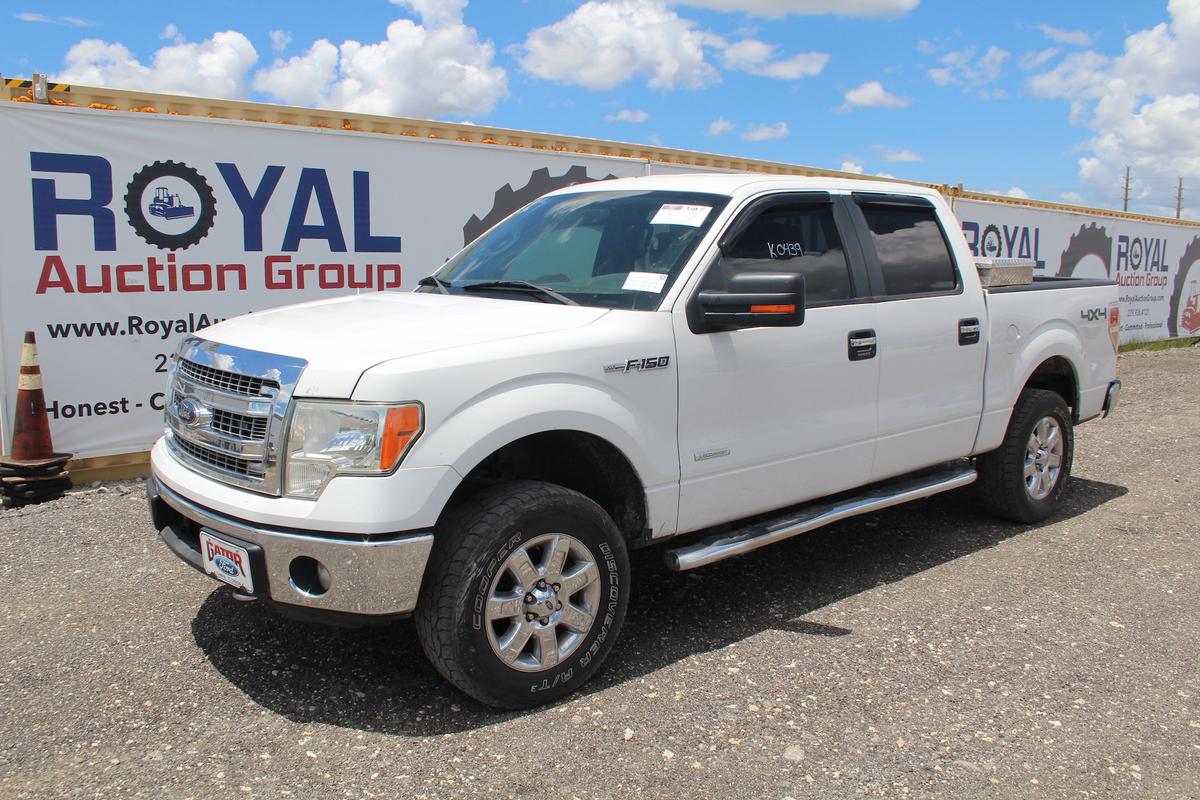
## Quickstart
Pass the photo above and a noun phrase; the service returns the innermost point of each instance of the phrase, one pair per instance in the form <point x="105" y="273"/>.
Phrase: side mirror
<point x="755" y="300"/>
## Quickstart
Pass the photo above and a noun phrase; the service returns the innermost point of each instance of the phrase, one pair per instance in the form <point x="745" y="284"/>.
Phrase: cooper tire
<point x="137" y="186"/>
<point x="465" y="582"/>
<point x="1004" y="484"/>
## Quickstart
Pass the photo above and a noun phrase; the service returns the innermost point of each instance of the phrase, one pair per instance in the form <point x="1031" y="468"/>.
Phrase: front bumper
<point x="371" y="576"/>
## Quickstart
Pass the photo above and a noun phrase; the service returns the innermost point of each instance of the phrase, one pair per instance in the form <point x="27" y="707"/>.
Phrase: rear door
<point x="774" y="416"/>
<point x="929" y="328"/>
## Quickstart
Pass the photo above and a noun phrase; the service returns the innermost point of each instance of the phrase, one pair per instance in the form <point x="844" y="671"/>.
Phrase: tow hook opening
<point x="309" y="577"/>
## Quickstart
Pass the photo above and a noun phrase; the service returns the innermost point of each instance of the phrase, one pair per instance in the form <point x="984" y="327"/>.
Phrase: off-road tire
<point x="206" y="215"/>
<point x="470" y="545"/>
<point x="1091" y="240"/>
<point x="1001" y="485"/>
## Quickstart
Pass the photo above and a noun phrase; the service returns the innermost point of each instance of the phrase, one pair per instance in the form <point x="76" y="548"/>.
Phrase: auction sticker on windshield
<point x="645" y="282"/>
<point x="676" y="214"/>
<point x="226" y="561"/>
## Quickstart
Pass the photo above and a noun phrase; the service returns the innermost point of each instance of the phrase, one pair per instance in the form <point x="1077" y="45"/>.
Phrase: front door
<point x="769" y="417"/>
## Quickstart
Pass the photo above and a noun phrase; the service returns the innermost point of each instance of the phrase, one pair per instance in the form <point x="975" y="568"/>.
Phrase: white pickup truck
<point x="740" y="358"/>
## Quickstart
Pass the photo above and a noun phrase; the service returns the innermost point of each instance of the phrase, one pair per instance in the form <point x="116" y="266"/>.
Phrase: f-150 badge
<point x="639" y="364"/>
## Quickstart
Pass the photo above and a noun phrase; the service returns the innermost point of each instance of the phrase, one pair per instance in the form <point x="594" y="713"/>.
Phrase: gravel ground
<point x="923" y="651"/>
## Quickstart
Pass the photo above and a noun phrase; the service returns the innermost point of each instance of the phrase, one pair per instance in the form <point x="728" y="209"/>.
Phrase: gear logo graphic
<point x="1184" y="317"/>
<point x="507" y="200"/>
<point x="990" y="243"/>
<point x="1091" y="240"/>
<point x="170" y="205"/>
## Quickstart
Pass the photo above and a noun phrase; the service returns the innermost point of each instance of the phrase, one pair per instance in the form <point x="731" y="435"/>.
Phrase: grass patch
<point x="1161" y="344"/>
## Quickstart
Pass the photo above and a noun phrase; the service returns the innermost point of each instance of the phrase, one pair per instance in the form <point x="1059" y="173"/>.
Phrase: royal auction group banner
<point x="123" y="232"/>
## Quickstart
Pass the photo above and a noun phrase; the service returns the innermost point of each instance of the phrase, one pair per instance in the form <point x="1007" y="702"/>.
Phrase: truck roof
<point x="732" y="184"/>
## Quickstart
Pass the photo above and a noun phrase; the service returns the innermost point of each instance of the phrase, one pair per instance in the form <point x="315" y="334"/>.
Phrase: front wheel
<point x="1023" y="479"/>
<point x="524" y="594"/>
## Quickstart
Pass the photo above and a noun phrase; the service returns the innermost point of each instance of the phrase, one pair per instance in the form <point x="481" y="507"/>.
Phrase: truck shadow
<point x="377" y="678"/>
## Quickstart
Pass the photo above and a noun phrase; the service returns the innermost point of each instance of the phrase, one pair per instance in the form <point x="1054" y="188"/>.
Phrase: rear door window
<point x="913" y="255"/>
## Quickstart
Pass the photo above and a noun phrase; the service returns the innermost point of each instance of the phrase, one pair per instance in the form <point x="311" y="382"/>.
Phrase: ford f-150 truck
<point x="740" y="358"/>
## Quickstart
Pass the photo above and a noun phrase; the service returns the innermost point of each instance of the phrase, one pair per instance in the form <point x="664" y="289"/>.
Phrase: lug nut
<point x="557" y="586"/>
<point x="545" y="620"/>
<point x="541" y="584"/>
<point x="530" y="617"/>
<point x="529" y="598"/>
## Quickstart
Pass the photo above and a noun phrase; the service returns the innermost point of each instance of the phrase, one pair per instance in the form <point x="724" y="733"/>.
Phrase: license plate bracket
<point x="226" y="561"/>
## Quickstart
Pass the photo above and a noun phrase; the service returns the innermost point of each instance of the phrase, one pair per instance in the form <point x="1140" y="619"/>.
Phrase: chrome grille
<point x="253" y="429"/>
<point x="219" y="460"/>
<point x="225" y="381"/>
<point x="226" y="412"/>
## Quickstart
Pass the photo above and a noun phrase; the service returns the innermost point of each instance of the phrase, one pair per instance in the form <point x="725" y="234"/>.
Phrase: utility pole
<point x="1125" y="206"/>
<point x="1179" y="199"/>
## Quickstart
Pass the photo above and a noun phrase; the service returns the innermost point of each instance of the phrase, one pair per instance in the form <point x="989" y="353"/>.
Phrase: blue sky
<point x="1047" y="99"/>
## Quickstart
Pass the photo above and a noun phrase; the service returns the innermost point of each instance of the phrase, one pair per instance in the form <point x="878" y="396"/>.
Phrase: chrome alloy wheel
<point x="1043" y="458"/>
<point x="542" y="602"/>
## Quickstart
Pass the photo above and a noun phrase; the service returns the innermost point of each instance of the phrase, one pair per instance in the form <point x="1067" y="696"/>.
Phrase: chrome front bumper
<point x="370" y="576"/>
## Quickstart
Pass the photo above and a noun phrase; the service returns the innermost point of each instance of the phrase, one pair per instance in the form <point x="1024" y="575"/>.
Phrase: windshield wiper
<point x="519" y="286"/>
<point x="433" y="280"/>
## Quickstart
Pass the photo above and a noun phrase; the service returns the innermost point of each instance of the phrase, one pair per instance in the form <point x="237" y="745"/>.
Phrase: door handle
<point x="968" y="331"/>
<point x="862" y="345"/>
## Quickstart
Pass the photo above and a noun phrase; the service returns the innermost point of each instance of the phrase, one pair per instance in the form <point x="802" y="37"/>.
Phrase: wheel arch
<point x="575" y="459"/>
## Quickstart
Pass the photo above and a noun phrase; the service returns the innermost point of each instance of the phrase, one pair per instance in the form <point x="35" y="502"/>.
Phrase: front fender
<point x="468" y="434"/>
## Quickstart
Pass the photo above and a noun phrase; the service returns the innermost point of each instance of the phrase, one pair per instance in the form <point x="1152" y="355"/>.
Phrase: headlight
<point x="328" y="439"/>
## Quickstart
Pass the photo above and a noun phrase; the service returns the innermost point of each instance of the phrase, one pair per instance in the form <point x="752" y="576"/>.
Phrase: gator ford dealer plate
<point x="226" y="562"/>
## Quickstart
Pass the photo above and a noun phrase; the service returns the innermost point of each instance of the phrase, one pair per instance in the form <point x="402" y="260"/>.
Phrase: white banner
<point x="1153" y="263"/>
<point x="123" y="232"/>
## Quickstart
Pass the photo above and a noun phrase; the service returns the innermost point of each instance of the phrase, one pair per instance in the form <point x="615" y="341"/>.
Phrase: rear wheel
<point x="1023" y="479"/>
<point x="524" y="594"/>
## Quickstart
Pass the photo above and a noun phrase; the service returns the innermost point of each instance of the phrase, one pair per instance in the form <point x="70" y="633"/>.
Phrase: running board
<point x="765" y="532"/>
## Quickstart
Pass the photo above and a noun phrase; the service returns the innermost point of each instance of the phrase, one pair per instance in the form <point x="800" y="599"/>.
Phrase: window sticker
<point x="645" y="281"/>
<point x="675" y="214"/>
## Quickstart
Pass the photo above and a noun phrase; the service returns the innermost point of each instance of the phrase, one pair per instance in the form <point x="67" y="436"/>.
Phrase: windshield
<point x="617" y="249"/>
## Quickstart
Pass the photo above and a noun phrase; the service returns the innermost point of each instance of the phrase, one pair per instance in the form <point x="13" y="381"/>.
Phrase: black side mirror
<point x="755" y="300"/>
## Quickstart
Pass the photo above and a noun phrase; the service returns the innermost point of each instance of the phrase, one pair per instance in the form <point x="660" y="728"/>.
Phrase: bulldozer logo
<point x="170" y="205"/>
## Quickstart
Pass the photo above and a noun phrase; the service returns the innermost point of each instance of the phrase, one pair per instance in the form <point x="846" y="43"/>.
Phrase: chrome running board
<point x="793" y="522"/>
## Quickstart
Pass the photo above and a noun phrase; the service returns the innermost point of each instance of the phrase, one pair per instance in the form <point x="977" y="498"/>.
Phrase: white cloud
<point x="872" y="95"/>
<point x="774" y="9"/>
<point x="628" y="115"/>
<point x="1077" y="38"/>
<point x="894" y="154"/>
<point x="280" y="40"/>
<point x="75" y="22"/>
<point x="961" y="68"/>
<point x="850" y="166"/>
<point x="436" y="12"/>
<point x="925" y="46"/>
<point x="719" y="126"/>
<point x="1015" y="191"/>
<point x="601" y="45"/>
<point x="171" y="34"/>
<point x="438" y="68"/>
<point x="1074" y="198"/>
<point x="764" y="132"/>
<point x="760" y="58"/>
<point x="1142" y="108"/>
<point x="1033" y="60"/>
<point x="216" y="67"/>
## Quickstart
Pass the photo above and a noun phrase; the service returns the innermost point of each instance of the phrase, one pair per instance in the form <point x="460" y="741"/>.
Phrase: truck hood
<point x="342" y="338"/>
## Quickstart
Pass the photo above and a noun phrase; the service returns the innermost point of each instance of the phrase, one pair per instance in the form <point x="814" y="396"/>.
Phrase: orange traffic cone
<point x="32" y="472"/>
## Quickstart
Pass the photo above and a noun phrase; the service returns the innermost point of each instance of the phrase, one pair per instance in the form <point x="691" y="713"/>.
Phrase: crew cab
<point x="718" y="362"/>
